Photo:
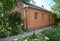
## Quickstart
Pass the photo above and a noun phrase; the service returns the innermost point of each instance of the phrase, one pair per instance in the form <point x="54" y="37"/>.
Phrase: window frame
<point x="49" y="18"/>
<point x="42" y="16"/>
<point x="36" y="16"/>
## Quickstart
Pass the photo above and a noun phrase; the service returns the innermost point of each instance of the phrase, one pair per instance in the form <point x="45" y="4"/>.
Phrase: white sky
<point x="44" y="2"/>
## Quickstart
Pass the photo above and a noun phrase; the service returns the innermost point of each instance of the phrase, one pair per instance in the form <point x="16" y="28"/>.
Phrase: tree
<point x="5" y="8"/>
<point x="56" y="6"/>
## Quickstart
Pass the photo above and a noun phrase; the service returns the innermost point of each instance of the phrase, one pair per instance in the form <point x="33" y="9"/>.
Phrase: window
<point x="36" y="16"/>
<point x="42" y="17"/>
<point x="49" y="17"/>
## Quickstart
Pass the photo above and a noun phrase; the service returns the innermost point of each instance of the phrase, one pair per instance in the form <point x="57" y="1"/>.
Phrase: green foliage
<point x="58" y="32"/>
<point x="14" y="21"/>
<point x="14" y="18"/>
<point x="56" y="6"/>
<point x="2" y="33"/>
<point x="13" y="26"/>
<point x="1" y="18"/>
<point x="58" y="15"/>
<point x="52" y="34"/>
<point x="34" y="37"/>
<point x="8" y="4"/>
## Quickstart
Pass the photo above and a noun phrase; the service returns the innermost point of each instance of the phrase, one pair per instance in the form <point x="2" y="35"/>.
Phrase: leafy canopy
<point x="56" y="7"/>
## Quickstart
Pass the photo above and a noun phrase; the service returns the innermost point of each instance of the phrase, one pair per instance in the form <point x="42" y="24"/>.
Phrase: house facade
<point x="37" y="16"/>
<point x="34" y="16"/>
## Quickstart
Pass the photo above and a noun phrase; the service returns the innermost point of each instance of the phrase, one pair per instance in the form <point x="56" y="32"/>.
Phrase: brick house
<point x="35" y="17"/>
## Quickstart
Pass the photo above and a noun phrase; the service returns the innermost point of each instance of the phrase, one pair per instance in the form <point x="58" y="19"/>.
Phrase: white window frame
<point x="36" y="16"/>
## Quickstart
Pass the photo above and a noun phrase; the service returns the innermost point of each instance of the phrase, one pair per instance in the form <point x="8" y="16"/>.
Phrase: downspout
<point x="24" y="28"/>
<point x="26" y="16"/>
<point x="25" y="19"/>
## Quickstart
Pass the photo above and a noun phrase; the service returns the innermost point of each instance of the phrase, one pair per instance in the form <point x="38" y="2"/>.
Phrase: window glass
<point x="42" y="17"/>
<point x="49" y="17"/>
<point x="36" y="16"/>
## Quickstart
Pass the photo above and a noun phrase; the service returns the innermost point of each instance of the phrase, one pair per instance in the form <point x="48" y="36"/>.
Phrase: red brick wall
<point x="31" y="21"/>
<point x="19" y="9"/>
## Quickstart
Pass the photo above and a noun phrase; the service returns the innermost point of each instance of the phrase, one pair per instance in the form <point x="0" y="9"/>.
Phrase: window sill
<point x="36" y="20"/>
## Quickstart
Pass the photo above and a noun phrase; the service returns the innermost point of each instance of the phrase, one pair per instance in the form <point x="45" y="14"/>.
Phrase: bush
<point x="2" y="33"/>
<point x="53" y="34"/>
<point x="12" y="27"/>
<point x="14" y="24"/>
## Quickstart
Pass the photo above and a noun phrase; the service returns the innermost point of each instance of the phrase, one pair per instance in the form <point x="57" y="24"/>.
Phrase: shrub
<point x="53" y="34"/>
<point x="2" y="33"/>
<point x="13" y="25"/>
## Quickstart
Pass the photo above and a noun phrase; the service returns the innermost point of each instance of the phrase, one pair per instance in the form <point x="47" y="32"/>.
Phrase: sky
<point x="45" y="3"/>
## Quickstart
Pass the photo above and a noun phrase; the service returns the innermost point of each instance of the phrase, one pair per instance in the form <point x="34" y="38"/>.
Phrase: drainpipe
<point x="25" y="19"/>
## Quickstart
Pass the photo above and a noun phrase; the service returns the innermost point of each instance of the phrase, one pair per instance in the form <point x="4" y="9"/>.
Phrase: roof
<point x="37" y="7"/>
